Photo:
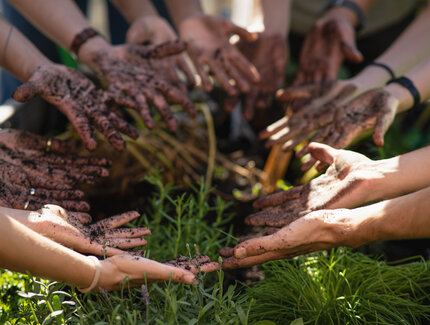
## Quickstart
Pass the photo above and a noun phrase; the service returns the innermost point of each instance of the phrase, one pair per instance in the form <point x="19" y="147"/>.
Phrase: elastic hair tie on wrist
<point x="96" y="278"/>
<point x="409" y="85"/>
<point x="385" y="67"/>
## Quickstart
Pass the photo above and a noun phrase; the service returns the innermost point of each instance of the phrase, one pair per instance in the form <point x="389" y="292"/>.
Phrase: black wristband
<point x="361" y="17"/>
<point x="385" y="67"/>
<point x="409" y="85"/>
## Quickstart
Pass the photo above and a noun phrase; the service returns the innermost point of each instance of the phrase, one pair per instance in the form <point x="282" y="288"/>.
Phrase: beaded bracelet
<point x="81" y="38"/>
<point x="409" y="85"/>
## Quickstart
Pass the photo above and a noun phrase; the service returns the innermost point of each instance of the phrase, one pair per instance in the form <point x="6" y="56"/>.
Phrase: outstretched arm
<point x="404" y="217"/>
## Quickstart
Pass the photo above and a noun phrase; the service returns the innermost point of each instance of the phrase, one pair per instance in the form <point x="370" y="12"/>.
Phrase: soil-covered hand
<point x="269" y="54"/>
<point x="153" y="30"/>
<point x="78" y="98"/>
<point x="317" y="230"/>
<point x="35" y="170"/>
<point x="200" y="263"/>
<point x="374" y="109"/>
<point x="345" y="184"/>
<point x="72" y="229"/>
<point x="330" y="41"/>
<point x="133" y="82"/>
<point x="208" y="45"/>
<point x="320" y="104"/>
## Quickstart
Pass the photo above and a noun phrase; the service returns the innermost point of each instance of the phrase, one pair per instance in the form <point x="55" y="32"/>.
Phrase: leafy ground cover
<point x="335" y="287"/>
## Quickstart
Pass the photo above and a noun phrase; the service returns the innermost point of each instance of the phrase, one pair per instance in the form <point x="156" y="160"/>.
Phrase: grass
<point x="335" y="287"/>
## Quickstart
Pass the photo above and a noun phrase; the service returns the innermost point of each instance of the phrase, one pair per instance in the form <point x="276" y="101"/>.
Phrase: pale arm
<point x="181" y="10"/>
<point x="276" y="16"/>
<point x="133" y="9"/>
<point x="19" y="56"/>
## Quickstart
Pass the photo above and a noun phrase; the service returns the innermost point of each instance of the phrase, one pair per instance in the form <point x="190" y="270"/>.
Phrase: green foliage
<point x="342" y="287"/>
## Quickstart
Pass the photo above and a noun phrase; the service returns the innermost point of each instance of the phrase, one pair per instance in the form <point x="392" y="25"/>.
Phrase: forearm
<point x="18" y="55"/>
<point x="414" y="39"/>
<point x="133" y="9"/>
<point x="61" y="21"/>
<point x="276" y="16"/>
<point x="181" y="10"/>
<point x="400" y="175"/>
<point x="349" y="14"/>
<point x="22" y="250"/>
<point x="404" y="217"/>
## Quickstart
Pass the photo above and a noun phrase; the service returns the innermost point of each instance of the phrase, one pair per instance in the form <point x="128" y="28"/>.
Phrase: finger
<point x="83" y="218"/>
<point x="274" y="127"/>
<point x="122" y="126"/>
<point x="175" y="96"/>
<point x="200" y="263"/>
<point x="248" y="106"/>
<point x="292" y="143"/>
<point x="116" y="221"/>
<point x="319" y="166"/>
<point x="308" y="164"/>
<point x="185" y="68"/>
<point x="220" y="75"/>
<point x="270" y="230"/>
<point x="80" y="206"/>
<point x="241" y="83"/>
<point x="258" y="246"/>
<point x="125" y="243"/>
<point x="245" y="67"/>
<point x="47" y="183"/>
<point x="323" y="152"/>
<point x="235" y="263"/>
<point x="297" y="92"/>
<point x="59" y="194"/>
<point x="27" y="91"/>
<point x="241" y="32"/>
<point x="278" y="198"/>
<point x="383" y="122"/>
<point x="72" y="160"/>
<point x="52" y="144"/>
<point x="226" y="251"/>
<point x="144" y="111"/>
<point x="199" y="65"/>
<point x="104" y="126"/>
<point x="349" y="48"/>
<point x="161" y="50"/>
<point x="277" y="218"/>
<point x="127" y="232"/>
<point x="162" y="107"/>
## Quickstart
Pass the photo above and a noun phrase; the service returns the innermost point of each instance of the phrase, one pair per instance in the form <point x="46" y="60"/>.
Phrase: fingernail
<point x="240" y="252"/>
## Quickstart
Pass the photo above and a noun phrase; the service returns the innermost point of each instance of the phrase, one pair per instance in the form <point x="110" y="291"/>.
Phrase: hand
<point x="317" y="230"/>
<point x="346" y="184"/>
<point x="30" y="176"/>
<point x="77" y="97"/>
<point x="330" y="41"/>
<point x="208" y="43"/>
<point x="153" y="30"/>
<point x="133" y="82"/>
<point x="72" y="230"/>
<point x="374" y="109"/>
<point x="140" y="270"/>
<point x="321" y="102"/>
<point x="269" y="55"/>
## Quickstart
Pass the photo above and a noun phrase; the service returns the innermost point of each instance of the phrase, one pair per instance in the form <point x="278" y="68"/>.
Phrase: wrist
<point x="402" y="94"/>
<point x="370" y="77"/>
<point x="91" y="47"/>
<point x="110" y="275"/>
<point x="341" y="13"/>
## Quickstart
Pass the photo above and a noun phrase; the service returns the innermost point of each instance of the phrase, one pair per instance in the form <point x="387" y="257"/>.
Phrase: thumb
<point x="323" y="152"/>
<point x="349" y="47"/>
<point x="382" y="124"/>
<point x="233" y="29"/>
<point x="27" y="91"/>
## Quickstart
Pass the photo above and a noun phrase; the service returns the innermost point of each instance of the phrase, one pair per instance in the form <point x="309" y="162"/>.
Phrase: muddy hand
<point x="33" y="172"/>
<point x="72" y="230"/>
<point x="374" y="109"/>
<point x="200" y="263"/>
<point x="208" y="46"/>
<point x="322" y="102"/>
<point x="134" y="83"/>
<point x="77" y="97"/>
<point x="314" y="231"/>
<point x="345" y="184"/>
<point x="330" y="41"/>
<point x="153" y="30"/>
<point x="269" y="55"/>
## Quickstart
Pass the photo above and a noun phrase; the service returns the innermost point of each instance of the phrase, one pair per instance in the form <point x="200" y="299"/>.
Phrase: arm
<point x="404" y="217"/>
<point x="181" y="10"/>
<point x="134" y="9"/>
<point x="276" y="16"/>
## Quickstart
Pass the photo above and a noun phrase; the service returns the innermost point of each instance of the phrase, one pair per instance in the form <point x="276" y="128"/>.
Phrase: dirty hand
<point x="153" y="30"/>
<point x="269" y="54"/>
<point x="321" y="102"/>
<point x="330" y="41"/>
<point x="374" y="109"/>
<point x="77" y="98"/>
<point x="35" y="170"/>
<point x="72" y="229"/>
<point x="315" y="231"/>
<point x="200" y="263"/>
<point x="346" y="184"/>
<point x="208" y="45"/>
<point x="134" y="83"/>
